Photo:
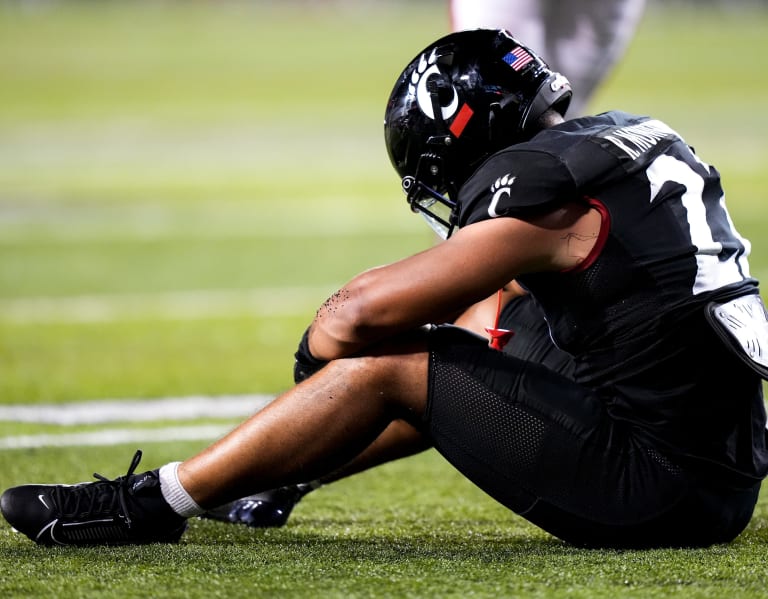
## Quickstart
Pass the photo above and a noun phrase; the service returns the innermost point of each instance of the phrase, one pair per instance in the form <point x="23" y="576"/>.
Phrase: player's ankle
<point x="175" y="494"/>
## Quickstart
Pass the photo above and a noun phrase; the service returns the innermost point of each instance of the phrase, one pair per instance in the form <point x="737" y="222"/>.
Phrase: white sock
<point x="176" y="495"/>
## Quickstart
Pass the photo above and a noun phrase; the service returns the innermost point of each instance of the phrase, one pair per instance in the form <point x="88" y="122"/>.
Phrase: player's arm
<point x="446" y="279"/>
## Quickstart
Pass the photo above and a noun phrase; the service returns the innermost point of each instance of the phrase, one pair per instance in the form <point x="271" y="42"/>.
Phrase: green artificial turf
<point x="182" y="183"/>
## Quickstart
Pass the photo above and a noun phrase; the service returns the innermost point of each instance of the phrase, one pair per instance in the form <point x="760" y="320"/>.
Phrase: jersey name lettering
<point x="637" y="139"/>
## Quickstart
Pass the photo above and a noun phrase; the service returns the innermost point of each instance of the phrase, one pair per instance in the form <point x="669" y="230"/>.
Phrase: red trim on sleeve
<point x="602" y="236"/>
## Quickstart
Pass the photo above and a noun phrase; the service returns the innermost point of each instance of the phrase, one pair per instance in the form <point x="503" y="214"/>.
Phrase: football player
<point x="620" y="234"/>
<point x="584" y="38"/>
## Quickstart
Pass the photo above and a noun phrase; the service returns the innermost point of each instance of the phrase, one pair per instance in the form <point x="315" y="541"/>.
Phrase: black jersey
<point x="632" y="314"/>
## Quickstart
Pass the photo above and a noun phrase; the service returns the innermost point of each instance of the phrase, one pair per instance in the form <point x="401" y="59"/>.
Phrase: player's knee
<point x="396" y="379"/>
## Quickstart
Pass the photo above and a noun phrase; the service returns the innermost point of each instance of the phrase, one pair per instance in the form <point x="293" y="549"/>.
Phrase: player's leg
<point x="398" y="440"/>
<point x="548" y="449"/>
<point x="586" y="38"/>
<point x="315" y="428"/>
<point x="311" y="430"/>
<point x="523" y="18"/>
<point x="531" y="341"/>
<point x="273" y="507"/>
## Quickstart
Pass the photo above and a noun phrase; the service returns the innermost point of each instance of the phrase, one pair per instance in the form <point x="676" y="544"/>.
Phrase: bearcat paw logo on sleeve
<point x="500" y="189"/>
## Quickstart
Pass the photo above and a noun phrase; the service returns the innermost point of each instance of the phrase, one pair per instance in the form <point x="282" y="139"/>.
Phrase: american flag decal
<point x="518" y="58"/>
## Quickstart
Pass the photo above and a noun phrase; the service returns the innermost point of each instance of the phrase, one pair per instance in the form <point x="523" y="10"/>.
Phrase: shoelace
<point x="98" y="497"/>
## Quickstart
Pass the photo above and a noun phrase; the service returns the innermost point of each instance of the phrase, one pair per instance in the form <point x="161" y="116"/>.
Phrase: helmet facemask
<point x="439" y="210"/>
<point x="430" y="190"/>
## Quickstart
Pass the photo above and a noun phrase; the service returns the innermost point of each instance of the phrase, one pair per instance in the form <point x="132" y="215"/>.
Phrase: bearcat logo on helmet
<point x="426" y="68"/>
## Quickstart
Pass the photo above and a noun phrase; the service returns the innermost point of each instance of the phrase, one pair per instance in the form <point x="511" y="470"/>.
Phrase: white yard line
<point x="116" y="437"/>
<point x="136" y="410"/>
<point x="183" y="305"/>
<point x="133" y="410"/>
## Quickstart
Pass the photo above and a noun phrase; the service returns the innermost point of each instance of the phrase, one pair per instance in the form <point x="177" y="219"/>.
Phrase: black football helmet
<point x="461" y="99"/>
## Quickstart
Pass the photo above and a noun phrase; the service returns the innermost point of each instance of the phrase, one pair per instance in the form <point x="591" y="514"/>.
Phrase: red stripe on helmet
<point x="461" y="120"/>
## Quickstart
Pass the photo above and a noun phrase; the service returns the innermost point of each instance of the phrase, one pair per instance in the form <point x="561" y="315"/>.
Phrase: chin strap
<point x="499" y="337"/>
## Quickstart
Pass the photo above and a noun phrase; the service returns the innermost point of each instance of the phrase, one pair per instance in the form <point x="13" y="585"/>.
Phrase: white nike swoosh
<point x="41" y="497"/>
<point x="51" y="524"/>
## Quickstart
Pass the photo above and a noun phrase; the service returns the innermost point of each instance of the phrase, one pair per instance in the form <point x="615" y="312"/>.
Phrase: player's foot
<point x="127" y="510"/>
<point x="263" y="510"/>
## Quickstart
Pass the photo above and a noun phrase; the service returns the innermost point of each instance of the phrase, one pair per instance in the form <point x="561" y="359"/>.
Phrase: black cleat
<point x="269" y="509"/>
<point x="129" y="510"/>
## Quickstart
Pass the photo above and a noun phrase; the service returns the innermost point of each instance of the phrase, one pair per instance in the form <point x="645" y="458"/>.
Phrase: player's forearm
<point x="341" y="327"/>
